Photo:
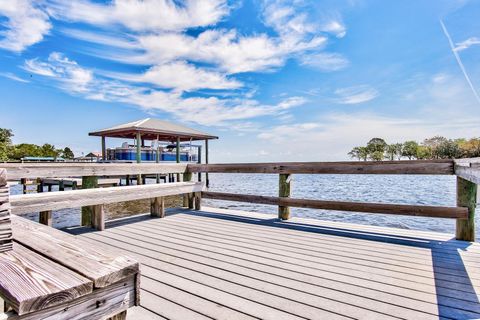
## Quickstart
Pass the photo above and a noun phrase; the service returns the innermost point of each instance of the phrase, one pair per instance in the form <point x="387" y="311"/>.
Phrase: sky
<point x="276" y="80"/>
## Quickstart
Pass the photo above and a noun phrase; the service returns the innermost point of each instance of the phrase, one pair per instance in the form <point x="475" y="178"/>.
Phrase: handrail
<point x="468" y="169"/>
<point x="16" y="171"/>
<point x="383" y="208"/>
<point x="437" y="167"/>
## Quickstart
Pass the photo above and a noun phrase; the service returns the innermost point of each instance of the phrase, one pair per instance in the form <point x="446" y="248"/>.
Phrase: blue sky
<point x="277" y="80"/>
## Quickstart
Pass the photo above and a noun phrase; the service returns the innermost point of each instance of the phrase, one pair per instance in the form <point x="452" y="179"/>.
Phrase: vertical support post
<point x="198" y="200"/>
<point x="199" y="160"/>
<point x="207" y="182"/>
<point x="6" y="241"/>
<point x="157" y="208"/>
<point x="466" y="197"/>
<point x="139" y="154"/>
<point x="104" y="149"/>
<point x="187" y="176"/>
<point x="39" y="185"/>
<point x="157" y="156"/>
<point x="98" y="221"/>
<point x="178" y="156"/>
<point x="284" y="192"/>
<point x="61" y="185"/>
<point x="23" y="181"/>
<point x="45" y="217"/>
<point x="88" y="182"/>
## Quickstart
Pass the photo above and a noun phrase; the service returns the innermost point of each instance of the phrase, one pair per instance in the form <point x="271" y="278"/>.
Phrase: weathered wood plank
<point x="99" y="304"/>
<point x="30" y="282"/>
<point x="440" y="167"/>
<point x="88" y="212"/>
<point x="384" y="208"/>
<point x="469" y="171"/>
<point x="103" y="268"/>
<point x="98" y="221"/>
<point x="45" y="217"/>
<point x="284" y="186"/>
<point x="466" y="197"/>
<point x="157" y="207"/>
<point x="17" y="171"/>
<point x="5" y="227"/>
<point x="88" y="197"/>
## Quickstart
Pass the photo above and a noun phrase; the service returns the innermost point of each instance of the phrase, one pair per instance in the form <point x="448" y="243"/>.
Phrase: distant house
<point x="90" y="157"/>
<point x="42" y="159"/>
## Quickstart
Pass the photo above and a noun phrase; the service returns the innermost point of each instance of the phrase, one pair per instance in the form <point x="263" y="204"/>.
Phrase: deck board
<point x="222" y="264"/>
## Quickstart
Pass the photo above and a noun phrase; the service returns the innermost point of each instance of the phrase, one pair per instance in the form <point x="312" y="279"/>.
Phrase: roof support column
<point x="104" y="149"/>
<point x="206" y="162"/>
<point x="178" y="156"/>
<point x="139" y="154"/>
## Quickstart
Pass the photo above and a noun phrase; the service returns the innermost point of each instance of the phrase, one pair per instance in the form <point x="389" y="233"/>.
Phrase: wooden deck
<point x="222" y="264"/>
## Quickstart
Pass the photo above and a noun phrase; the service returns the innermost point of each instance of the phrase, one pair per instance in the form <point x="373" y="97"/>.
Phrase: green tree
<point x="393" y="151"/>
<point x="409" y="149"/>
<point x="434" y="143"/>
<point x="377" y="156"/>
<point x="6" y="136"/>
<point x="423" y="153"/>
<point x="23" y="150"/>
<point x="376" y="145"/>
<point x="67" y="153"/>
<point x="448" y="149"/>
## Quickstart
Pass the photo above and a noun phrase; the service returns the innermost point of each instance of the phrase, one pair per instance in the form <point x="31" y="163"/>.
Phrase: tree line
<point x="438" y="147"/>
<point x="11" y="152"/>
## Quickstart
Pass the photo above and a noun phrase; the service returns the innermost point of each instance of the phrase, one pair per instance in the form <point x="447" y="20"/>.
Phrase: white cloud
<point x="26" y="24"/>
<point x="204" y="110"/>
<point x="325" y="61"/>
<point x="146" y="15"/>
<point x="459" y="46"/>
<point x="182" y="76"/>
<point x="14" y="77"/>
<point x="356" y="94"/>
<point x="71" y="76"/>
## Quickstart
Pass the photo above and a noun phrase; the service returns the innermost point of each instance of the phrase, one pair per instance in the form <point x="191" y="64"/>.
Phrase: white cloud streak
<point x="356" y="94"/>
<point x="460" y="46"/>
<point x="26" y="24"/>
<point x="146" y="15"/>
<point x="459" y="61"/>
<point x="325" y="61"/>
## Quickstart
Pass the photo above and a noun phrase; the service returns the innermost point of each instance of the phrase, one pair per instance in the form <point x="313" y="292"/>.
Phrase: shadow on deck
<point x="238" y="265"/>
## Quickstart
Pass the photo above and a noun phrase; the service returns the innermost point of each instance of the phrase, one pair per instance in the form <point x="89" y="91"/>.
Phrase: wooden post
<point x="23" y="181"/>
<point x="207" y="182"/>
<point x="284" y="185"/>
<point x="104" y="149"/>
<point x="198" y="200"/>
<point x="45" y="217"/>
<point x="139" y="155"/>
<point x="121" y="316"/>
<point x="466" y="197"/>
<point x="61" y="185"/>
<point x="157" y="156"/>
<point x="88" y="182"/>
<point x="157" y="207"/>
<point x="98" y="220"/>
<point x="6" y="241"/>
<point x="187" y="176"/>
<point x="199" y="161"/>
<point x="178" y="156"/>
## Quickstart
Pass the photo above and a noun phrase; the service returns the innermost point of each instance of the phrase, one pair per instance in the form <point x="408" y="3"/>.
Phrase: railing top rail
<point x="436" y="167"/>
<point x="17" y="171"/>
<point x="468" y="169"/>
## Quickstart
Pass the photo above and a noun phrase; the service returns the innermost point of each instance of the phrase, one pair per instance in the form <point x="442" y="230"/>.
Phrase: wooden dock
<point x="223" y="264"/>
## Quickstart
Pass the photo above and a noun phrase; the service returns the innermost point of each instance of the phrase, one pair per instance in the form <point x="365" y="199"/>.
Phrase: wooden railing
<point x="467" y="171"/>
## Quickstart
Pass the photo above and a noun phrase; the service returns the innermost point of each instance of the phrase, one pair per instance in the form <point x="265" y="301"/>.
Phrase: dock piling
<point x="284" y="185"/>
<point x="88" y="182"/>
<point x="466" y="197"/>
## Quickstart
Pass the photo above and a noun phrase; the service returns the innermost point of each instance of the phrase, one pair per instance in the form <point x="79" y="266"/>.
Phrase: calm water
<point x="402" y="189"/>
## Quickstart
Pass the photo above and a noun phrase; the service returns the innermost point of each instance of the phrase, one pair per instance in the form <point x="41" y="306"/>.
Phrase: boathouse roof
<point x="151" y="129"/>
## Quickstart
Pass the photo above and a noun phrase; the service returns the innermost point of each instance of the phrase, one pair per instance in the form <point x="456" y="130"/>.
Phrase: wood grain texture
<point x="439" y="167"/>
<point x="100" y="304"/>
<point x="284" y="186"/>
<point x="31" y="282"/>
<point x="17" y="171"/>
<point x="45" y="218"/>
<point x="103" y="268"/>
<point x="88" y="197"/>
<point x="466" y="197"/>
<point x="3" y="177"/>
<point x="384" y="208"/>
<point x="469" y="170"/>
<point x="157" y="208"/>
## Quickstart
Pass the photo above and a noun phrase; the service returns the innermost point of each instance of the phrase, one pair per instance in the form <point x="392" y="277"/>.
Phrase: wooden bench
<point x="50" y="274"/>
